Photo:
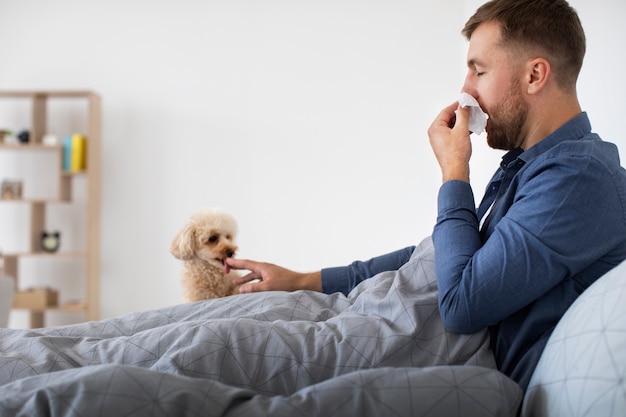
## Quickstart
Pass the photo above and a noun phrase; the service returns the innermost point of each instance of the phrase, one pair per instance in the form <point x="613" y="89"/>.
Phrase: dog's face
<point x="209" y="235"/>
<point x="214" y="245"/>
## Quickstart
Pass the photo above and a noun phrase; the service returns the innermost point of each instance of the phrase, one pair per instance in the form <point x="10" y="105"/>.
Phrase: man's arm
<point x="339" y="279"/>
<point x="553" y="230"/>
<point x="344" y="279"/>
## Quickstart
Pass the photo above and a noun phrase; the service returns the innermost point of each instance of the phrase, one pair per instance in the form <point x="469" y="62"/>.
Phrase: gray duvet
<point x="382" y="350"/>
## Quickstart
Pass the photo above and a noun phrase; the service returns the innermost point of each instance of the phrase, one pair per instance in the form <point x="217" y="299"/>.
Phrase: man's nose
<point x="468" y="85"/>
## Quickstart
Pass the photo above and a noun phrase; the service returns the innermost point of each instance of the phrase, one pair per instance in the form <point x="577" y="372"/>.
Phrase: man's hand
<point x="450" y="139"/>
<point x="273" y="277"/>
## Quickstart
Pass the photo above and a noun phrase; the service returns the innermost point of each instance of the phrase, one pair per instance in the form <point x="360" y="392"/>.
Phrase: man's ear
<point x="537" y="75"/>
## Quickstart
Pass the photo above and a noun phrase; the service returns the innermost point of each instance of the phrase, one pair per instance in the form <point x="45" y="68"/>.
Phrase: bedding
<point x="378" y="351"/>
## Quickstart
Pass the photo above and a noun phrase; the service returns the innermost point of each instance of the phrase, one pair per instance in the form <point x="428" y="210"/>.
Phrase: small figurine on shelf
<point x="11" y="190"/>
<point x="50" y="241"/>
<point x="23" y="136"/>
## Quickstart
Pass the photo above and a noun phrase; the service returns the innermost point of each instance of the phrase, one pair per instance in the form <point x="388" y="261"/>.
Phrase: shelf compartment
<point x="43" y="119"/>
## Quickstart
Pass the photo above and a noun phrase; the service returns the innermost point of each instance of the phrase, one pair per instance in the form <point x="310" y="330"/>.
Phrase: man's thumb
<point x="462" y="118"/>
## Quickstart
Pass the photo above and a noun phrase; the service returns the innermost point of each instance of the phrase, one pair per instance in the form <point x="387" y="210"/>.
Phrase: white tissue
<point x="477" y="118"/>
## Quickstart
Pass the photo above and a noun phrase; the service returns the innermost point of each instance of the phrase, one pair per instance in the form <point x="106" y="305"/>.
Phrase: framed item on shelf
<point x="11" y="190"/>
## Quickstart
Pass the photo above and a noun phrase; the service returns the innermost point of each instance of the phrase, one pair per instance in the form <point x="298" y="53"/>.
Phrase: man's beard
<point x="506" y="120"/>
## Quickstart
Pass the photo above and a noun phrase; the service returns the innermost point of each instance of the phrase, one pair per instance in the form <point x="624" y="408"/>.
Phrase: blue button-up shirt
<point x="556" y="221"/>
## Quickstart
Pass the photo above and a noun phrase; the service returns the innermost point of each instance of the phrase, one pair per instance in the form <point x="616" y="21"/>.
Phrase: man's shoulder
<point x="586" y="163"/>
<point x="590" y="149"/>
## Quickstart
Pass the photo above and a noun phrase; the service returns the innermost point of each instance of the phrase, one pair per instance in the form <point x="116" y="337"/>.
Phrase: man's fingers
<point x="251" y="287"/>
<point x="447" y="115"/>
<point x="462" y="118"/>
<point x="236" y="263"/>
<point x="445" y="119"/>
<point x="246" y="278"/>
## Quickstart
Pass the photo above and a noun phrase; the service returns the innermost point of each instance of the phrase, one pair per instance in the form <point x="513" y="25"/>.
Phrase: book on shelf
<point x="75" y="153"/>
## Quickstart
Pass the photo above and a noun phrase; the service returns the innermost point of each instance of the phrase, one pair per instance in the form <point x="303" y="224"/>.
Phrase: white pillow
<point x="582" y="371"/>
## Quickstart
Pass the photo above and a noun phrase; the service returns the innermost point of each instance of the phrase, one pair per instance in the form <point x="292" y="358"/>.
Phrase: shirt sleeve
<point x="344" y="278"/>
<point x="553" y="229"/>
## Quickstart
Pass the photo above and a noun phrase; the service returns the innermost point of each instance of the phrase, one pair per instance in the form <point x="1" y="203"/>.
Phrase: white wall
<point x="305" y="119"/>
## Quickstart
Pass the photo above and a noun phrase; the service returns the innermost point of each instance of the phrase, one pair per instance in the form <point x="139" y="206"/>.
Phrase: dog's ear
<point x="184" y="244"/>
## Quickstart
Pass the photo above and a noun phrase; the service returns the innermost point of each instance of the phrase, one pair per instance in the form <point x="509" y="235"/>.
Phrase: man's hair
<point x="547" y="27"/>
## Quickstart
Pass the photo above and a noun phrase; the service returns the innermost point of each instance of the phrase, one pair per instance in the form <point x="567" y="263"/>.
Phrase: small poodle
<point x="204" y="244"/>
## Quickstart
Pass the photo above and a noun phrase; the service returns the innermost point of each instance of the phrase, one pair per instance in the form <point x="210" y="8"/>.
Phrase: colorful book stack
<point x="75" y="153"/>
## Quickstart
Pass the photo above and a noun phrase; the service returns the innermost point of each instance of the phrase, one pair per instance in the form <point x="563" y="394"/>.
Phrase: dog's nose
<point x="230" y="253"/>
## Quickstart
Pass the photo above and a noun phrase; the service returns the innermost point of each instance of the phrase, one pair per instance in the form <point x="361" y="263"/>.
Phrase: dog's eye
<point x="212" y="239"/>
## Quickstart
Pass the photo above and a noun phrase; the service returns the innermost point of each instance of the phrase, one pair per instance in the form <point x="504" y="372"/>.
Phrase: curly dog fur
<point x="203" y="245"/>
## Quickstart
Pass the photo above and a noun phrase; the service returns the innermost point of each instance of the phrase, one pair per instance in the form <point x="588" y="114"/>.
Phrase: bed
<point x="381" y="350"/>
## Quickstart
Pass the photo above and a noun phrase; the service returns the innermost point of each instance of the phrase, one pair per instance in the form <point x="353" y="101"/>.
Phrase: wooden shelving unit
<point x="39" y="109"/>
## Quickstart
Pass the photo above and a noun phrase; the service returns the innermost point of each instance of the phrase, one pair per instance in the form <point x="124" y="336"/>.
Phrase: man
<point x="553" y="219"/>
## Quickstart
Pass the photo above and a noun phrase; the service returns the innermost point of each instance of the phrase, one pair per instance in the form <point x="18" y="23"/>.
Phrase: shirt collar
<point x="510" y="157"/>
<point x="575" y="129"/>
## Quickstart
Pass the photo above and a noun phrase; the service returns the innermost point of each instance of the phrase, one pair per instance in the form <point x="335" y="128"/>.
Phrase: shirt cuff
<point x="455" y="195"/>
<point x="336" y="279"/>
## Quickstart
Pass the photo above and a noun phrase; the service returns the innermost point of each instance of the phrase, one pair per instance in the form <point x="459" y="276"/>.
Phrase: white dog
<point x="204" y="244"/>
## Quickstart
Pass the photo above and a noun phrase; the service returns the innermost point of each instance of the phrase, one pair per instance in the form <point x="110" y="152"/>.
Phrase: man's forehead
<point x="489" y="29"/>
<point x="483" y="43"/>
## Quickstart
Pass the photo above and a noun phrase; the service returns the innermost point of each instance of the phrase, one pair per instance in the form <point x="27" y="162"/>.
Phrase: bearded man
<point x="553" y="218"/>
